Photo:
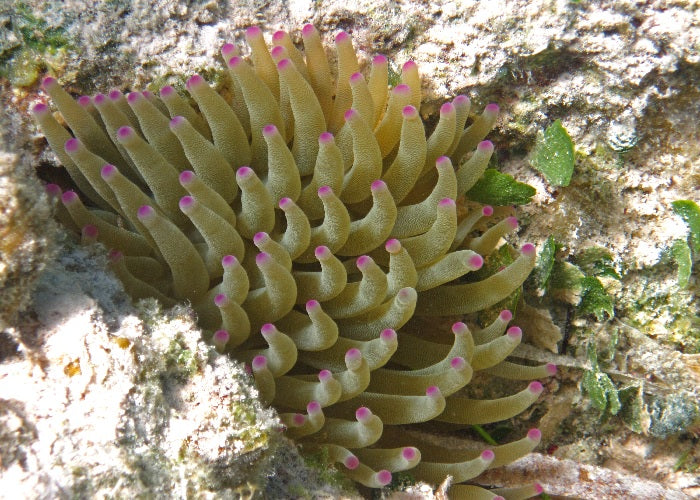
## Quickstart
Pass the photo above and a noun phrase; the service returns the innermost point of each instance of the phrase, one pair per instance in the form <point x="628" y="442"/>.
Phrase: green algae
<point x="30" y="47"/>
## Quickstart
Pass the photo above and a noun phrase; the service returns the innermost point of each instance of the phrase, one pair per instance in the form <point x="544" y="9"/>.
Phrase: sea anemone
<point x="321" y="215"/>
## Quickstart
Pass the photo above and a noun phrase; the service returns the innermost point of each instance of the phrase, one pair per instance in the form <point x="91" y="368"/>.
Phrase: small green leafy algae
<point x="599" y="386"/>
<point x="690" y="213"/>
<point x="681" y="255"/>
<point x="597" y="261"/>
<point x="496" y="188"/>
<point x="554" y="155"/>
<point x="544" y="265"/>
<point x="595" y="300"/>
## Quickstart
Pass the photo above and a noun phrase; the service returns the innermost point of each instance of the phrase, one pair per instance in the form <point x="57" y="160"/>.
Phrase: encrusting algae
<point x="315" y="210"/>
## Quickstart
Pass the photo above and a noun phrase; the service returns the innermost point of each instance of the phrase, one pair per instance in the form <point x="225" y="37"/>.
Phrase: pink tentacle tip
<point x="378" y="185"/>
<point x="528" y="249"/>
<point x="388" y="335"/>
<point x="221" y="336"/>
<point x="259" y="362"/>
<point x="515" y="333"/>
<point x="325" y="191"/>
<point x="351" y="462"/>
<point x="458" y="363"/>
<point x="383" y="477"/>
<point x="269" y="130"/>
<point x="351" y="114"/>
<point x="312" y="305"/>
<point x="145" y="212"/>
<point x="90" y="231"/>
<point x="512" y="222"/>
<point x="148" y="94"/>
<point x="409" y="453"/>
<point x="263" y="258"/>
<point x="194" y="81"/>
<point x="461" y="100"/>
<point x="476" y="262"/>
<point x="40" y="108"/>
<point x="447" y="108"/>
<point x="69" y="197"/>
<point x="114" y="255"/>
<point x="99" y="99"/>
<point x="227" y="49"/>
<point x="284" y="64"/>
<point x="244" y="173"/>
<point x="307" y="30"/>
<point x="48" y="82"/>
<point x="409" y="112"/>
<point x="253" y="31"/>
<point x="114" y="95"/>
<point x="499" y="497"/>
<point x="459" y="328"/>
<point x="325" y="375"/>
<point x="379" y="59"/>
<point x="186" y="177"/>
<point x="443" y="162"/>
<point x="167" y="91"/>
<point x="447" y="202"/>
<point x="356" y="78"/>
<point x="108" y="171"/>
<point x="407" y="295"/>
<point x="53" y="190"/>
<point x="433" y="391"/>
<point x="363" y="262"/>
<point x="534" y="434"/>
<point x="535" y="387"/>
<point x="409" y="66"/>
<point x="221" y="300"/>
<point x="84" y="101"/>
<point x="298" y="420"/>
<point x="234" y="62"/>
<point x="186" y="203"/>
<point x="485" y="146"/>
<point x="353" y="354"/>
<point x="505" y="315"/>
<point x="278" y="52"/>
<point x="538" y="488"/>
<point x="492" y="108"/>
<point x="229" y="260"/>
<point x="487" y="211"/>
<point x="393" y="246"/>
<point x="260" y="237"/>
<point x="72" y="145"/>
<point x="124" y="132"/>
<point x="133" y="96"/>
<point x="279" y="35"/>
<point x="402" y="89"/>
<point x="285" y="203"/>
<point x="313" y="407"/>
<point x="551" y="368"/>
<point x="177" y="121"/>
<point x="268" y="329"/>
<point x="322" y="252"/>
<point x="326" y="138"/>
<point x="341" y="37"/>
<point x="363" y="413"/>
<point x="488" y="455"/>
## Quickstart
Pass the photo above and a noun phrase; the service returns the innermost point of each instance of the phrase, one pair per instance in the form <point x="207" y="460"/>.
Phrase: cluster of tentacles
<point x="313" y="208"/>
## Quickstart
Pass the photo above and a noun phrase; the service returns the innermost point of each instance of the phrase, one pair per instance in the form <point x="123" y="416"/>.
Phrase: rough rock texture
<point x="622" y="76"/>
<point x="101" y="398"/>
<point x="26" y="232"/>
